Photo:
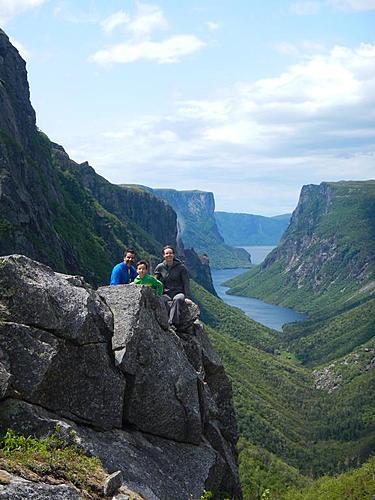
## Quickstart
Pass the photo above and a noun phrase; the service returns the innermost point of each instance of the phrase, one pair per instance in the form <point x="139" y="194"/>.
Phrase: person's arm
<point x="115" y="276"/>
<point x="157" y="273"/>
<point x="158" y="285"/>
<point x="133" y="273"/>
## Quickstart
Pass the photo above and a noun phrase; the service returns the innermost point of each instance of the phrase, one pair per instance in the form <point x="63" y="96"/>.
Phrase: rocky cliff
<point x="133" y="206"/>
<point x="198" y="229"/>
<point x="151" y="402"/>
<point x="326" y="258"/>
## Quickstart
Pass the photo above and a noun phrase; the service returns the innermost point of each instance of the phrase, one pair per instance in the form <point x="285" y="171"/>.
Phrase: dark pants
<point x="173" y="306"/>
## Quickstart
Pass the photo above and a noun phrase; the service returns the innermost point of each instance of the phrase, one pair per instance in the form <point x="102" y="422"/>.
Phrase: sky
<point x="249" y="99"/>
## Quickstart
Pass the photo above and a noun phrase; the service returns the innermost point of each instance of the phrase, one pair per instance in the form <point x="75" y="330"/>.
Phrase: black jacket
<point x="175" y="279"/>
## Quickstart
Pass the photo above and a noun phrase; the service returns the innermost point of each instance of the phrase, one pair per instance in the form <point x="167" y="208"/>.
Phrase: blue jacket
<point x="121" y="274"/>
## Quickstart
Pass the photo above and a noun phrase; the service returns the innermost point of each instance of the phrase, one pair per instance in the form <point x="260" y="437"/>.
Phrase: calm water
<point x="258" y="254"/>
<point x="266" y="314"/>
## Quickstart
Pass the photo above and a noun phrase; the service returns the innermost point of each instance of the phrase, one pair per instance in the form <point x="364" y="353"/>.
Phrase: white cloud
<point x="169" y="50"/>
<point x="110" y="23"/>
<point x="10" y="9"/>
<point x="313" y="122"/>
<point x="212" y="26"/>
<point x="357" y="5"/>
<point x="139" y="44"/>
<point x="300" y="49"/>
<point x="305" y="8"/>
<point x="148" y="19"/>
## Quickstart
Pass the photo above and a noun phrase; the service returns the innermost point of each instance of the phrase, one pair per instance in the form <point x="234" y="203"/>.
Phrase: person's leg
<point x="175" y="310"/>
<point x="167" y="301"/>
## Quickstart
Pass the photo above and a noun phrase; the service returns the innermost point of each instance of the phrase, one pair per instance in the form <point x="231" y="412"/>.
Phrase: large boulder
<point x="156" y="368"/>
<point x="54" y="339"/>
<point x="32" y="294"/>
<point x="149" y="401"/>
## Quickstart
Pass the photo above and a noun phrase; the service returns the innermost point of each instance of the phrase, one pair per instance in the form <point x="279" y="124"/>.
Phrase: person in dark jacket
<point x="124" y="272"/>
<point x="174" y="276"/>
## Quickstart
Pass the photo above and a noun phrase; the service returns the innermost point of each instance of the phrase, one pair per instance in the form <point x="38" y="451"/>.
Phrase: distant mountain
<point x="282" y="217"/>
<point x="326" y="258"/>
<point x="198" y="229"/>
<point x="248" y="229"/>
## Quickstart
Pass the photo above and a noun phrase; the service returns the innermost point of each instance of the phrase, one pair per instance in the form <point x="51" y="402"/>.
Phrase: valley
<point x="303" y="397"/>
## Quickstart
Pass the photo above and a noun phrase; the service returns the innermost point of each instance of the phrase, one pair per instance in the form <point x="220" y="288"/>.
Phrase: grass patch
<point x="53" y="460"/>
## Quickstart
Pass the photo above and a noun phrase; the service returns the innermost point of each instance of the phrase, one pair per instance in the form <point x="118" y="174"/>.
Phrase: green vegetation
<point x="264" y="475"/>
<point x="357" y="484"/>
<point x="315" y="342"/>
<point x="279" y="410"/>
<point x="6" y="227"/>
<point x="278" y="407"/>
<point x="53" y="460"/>
<point x="233" y="321"/>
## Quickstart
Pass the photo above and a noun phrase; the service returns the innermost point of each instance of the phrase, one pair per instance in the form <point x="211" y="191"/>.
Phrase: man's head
<point x="129" y="257"/>
<point x="168" y="253"/>
<point x="142" y="268"/>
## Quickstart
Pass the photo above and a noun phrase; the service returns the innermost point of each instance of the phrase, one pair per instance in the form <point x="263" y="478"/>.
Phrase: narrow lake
<point x="266" y="314"/>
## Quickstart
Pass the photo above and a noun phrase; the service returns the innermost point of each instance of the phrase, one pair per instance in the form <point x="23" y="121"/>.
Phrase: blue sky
<point x="249" y="99"/>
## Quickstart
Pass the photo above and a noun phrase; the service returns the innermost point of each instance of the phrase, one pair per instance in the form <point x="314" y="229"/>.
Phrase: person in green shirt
<point x="144" y="278"/>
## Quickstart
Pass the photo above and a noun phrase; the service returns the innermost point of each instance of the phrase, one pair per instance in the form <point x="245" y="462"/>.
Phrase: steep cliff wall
<point x="149" y="401"/>
<point x="198" y="228"/>
<point x="326" y="258"/>
<point x="133" y="206"/>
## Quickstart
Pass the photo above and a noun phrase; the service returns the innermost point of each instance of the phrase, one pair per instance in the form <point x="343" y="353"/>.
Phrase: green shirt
<point x="150" y="281"/>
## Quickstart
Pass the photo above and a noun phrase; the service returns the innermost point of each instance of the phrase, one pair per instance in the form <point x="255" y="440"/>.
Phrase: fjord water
<point x="266" y="314"/>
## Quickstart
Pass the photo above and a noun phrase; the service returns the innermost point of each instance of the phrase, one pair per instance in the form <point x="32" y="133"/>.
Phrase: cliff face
<point x="327" y="255"/>
<point x="149" y="401"/>
<point x="17" y="117"/>
<point x="249" y="229"/>
<point x="133" y="206"/>
<point x="198" y="228"/>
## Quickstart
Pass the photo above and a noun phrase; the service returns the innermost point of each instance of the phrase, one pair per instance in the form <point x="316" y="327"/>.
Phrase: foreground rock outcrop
<point x="150" y="402"/>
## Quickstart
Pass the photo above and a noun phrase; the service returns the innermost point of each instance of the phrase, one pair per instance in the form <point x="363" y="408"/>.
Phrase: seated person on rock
<point x="124" y="272"/>
<point x="144" y="278"/>
<point x="174" y="276"/>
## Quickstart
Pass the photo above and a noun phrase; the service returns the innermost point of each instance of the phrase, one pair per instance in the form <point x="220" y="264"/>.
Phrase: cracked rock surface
<point x="150" y="402"/>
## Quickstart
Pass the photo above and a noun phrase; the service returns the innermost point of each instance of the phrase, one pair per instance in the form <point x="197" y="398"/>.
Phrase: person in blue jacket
<point x="124" y="272"/>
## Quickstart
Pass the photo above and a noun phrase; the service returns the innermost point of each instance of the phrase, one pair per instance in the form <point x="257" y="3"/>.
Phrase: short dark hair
<point x="129" y="250"/>
<point x="168" y="246"/>
<point x="140" y="262"/>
